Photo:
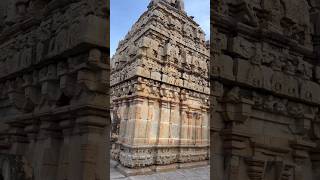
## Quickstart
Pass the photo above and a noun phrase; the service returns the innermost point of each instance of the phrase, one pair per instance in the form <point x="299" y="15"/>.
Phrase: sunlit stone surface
<point x="160" y="92"/>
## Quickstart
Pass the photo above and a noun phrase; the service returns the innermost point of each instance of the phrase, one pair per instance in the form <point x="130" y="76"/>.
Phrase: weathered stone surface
<point x="160" y="91"/>
<point x="265" y="89"/>
<point x="54" y="80"/>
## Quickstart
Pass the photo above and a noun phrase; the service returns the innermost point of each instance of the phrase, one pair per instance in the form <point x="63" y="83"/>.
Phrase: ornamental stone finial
<point x="179" y="4"/>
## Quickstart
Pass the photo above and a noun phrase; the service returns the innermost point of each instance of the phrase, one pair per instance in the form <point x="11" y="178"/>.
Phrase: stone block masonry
<point x="54" y="100"/>
<point x="160" y="92"/>
<point x="265" y="89"/>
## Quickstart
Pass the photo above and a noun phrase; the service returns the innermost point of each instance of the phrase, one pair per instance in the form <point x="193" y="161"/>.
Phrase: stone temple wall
<point x="54" y="81"/>
<point x="160" y="92"/>
<point x="265" y="85"/>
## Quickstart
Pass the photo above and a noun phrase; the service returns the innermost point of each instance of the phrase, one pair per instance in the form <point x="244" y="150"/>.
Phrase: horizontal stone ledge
<point x="16" y="28"/>
<point x="163" y="146"/>
<point x="277" y="149"/>
<point x="159" y="81"/>
<point x="61" y="113"/>
<point x="264" y="90"/>
<point x="230" y="25"/>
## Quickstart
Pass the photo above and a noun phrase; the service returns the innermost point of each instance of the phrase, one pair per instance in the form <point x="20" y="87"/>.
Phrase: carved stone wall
<point x="54" y="100"/>
<point x="160" y="92"/>
<point x="265" y="89"/>
<point x="14" y="167"/>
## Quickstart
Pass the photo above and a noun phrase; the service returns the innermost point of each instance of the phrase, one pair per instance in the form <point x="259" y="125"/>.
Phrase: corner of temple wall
<point x="160" y="92"/>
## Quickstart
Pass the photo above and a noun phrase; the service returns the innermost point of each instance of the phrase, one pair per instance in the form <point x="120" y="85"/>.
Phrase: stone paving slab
<point x="199" y="173"/>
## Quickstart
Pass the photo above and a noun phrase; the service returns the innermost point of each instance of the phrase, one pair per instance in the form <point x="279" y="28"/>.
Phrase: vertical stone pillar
<point x="141" y="113"/>
<point x="87" y="150"/>
<point x="49" y="150"/>
<point x="174" y="124"/>
<point x="32" y="129"/>
<point x="136" y="121"/>
<point x="164" y="122"/>
<point x="123" y="115"/>
<point x="191" y="121"/>
<point x="184" y="124"/>
<point x="130" y="122"/>
<point x="67" y="128"/>
<point x="154" y="132"/>
<point x="205" y="125"/>
<point x="150" y="134"/>
<point x="17" y="138"/>
<point x="198" y="128"/>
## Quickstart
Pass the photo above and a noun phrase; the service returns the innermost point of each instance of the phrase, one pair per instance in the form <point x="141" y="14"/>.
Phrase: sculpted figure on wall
<point x="243" y="11"/>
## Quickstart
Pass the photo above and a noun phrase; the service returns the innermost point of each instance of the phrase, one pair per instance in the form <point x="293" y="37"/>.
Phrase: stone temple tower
<point x="160" y="92"/>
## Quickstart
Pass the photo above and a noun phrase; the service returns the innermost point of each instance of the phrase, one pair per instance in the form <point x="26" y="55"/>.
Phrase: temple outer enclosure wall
<point x="160" y="92"/>
<point x="54" y="83"/>
<point x="264" y="78"/>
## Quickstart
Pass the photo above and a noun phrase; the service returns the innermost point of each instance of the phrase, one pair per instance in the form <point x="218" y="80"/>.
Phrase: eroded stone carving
<point x="52" y="91"/>
<point x="264" y="89"/>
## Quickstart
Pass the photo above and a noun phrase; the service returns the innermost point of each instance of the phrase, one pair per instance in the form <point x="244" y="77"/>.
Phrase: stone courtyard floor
<point x="200" y="173"/>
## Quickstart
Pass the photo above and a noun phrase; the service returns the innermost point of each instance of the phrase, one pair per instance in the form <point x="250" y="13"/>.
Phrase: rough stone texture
<point x="265" y="89"/>
<point x="13" y="167"/>
<point x="160" y="92"/>
<point x="196" y="173"/>
<point x="54" y="100"/>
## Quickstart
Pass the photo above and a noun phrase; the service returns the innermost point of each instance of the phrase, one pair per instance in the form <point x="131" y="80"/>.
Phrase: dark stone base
<point x="153" y="169"/>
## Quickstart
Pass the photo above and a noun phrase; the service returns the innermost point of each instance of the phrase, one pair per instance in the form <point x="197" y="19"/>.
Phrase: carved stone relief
<point x="169" y="75"/>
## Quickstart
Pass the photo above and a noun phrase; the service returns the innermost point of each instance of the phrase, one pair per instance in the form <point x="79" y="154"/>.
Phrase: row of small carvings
<point x="166" y="22"/>
<point x="267" y="15"/>
<point x="139" y="157"/>
<point x="268" y="103"/>
<point x="164" y="79"/>
<point x="156" y="89"/>
<point x="52" y="37"/>
<point x="263" y="53"/>
<point x="192" y="66"/>
<point x="273" y="78"/>
<point x="21" y="10"/>
<point x="54" y="85"/>
<point x="160" y="48"/>
<point x="167" y="74"/>
<point x="159" y="39"/>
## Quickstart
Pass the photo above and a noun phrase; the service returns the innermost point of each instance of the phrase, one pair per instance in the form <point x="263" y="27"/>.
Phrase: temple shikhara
<point x="160" y="92"/>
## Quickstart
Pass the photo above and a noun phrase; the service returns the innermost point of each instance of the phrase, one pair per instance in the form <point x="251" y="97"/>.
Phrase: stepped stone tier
<point x="160" y="92"/>
<point x="54" y="89"/>
<point x="265" y="87"/>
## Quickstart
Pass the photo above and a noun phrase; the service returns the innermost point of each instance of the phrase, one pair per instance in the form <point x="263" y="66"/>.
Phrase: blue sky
<point x="124" y="13"/>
